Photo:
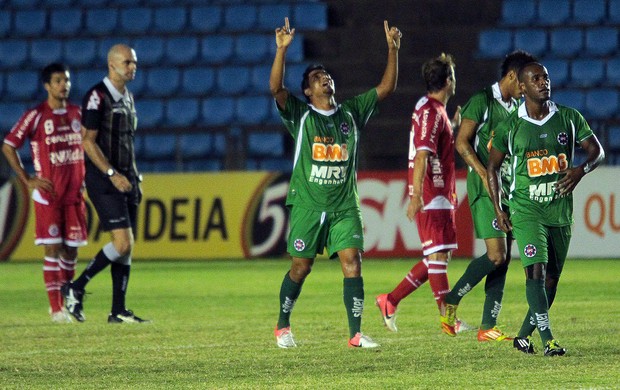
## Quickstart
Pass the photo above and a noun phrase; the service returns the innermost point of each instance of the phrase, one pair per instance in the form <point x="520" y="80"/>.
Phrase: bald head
<point x="122" y="64"/>
<point x="118" y="50"/>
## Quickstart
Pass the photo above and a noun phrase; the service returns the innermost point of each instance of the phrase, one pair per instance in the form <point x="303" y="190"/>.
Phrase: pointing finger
<point x="286" y="24"/>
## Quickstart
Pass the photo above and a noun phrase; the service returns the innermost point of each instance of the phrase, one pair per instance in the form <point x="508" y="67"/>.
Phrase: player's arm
<point x="96" y="156"/>
<point x="390" y="76"/>
<point x="464" y="139"/>
<point x="416" y="202"/>
<point x="572" y="176"/>
<point x="33" y="182"/>
<point x="494" y="164"/>
<point x="284" y="37"/>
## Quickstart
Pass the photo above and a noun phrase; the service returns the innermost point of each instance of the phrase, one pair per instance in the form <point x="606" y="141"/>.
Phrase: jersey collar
<point x="523" y="114"/>
<point x="116" y="95"/>
<point x="497" y="95"/>
<point x="324" y="112"/>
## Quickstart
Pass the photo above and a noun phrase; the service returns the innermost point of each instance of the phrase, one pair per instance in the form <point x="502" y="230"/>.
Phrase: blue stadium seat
<point x="295" y="52"/>
<point x="93" y="3"/>
<point x="232" y="80"/>
<point x="570" y="97"/>
<point x="259" y="78"/>
<point x="518" y="12"/>
<point x="182" y="112"/>
<point x="150" y="113"/>
<point x="23" y="4"/>
<point x="613" y="137"/>
<point x="149" y="50"/>
<point x="163" y="166"/>
<point x="292" y="77"/>
<point x="265" y="144"/>
<point x="217" y="49"/>
<point x="219" y="145"/>
<point x="45" y="51"/>
<point x="309" y="16"/>
<point x="5" y="23"/>
<point x="271" y="16"/>
<point x="565" y="42"/>
<point x="22" y="85"/>
<point x="602" y="103"/>
<point x="195" y="145"/>
<point x="217" y="111"/>
<point x="558" y="72"/>
<point x="58" y="3"/>
<point x="203" y="165"/>
<point x="84" y="79"/>
<point x="13" y="53"/>
<point x="160" y="146"/>
<point x="104" y="44"/>
<point x="240" y="17"/>
<point x="101" y="21"/>
<point x="252" y="110"/>
<point x="136" y="20"/>
<point x="138" y="85"/>
<point x="182" y="50"/>
<point x="205" y="19"/>
<point x="252" y="48"/>
<point x="283" y="164"/>
<point x="612" y="74"/>
<point x="162" y="82"/>
<point x="614" y="12"/>
<point x="10" y="114"/>
<point x="531" y="40"/>
<point x="601" y="41"/>
<point x="553" y="12"/>
<point x="170" y="19"/>
<point x="1" y="83"/>
<point x="589" y="12"/>
<point x="29" y="23"/>
<point x="494" y="43"/>
<point x="197" y="81"/>
<point x="65" y="22"/>
<point x="79" y="52"/>
<point x="587" y="72"/>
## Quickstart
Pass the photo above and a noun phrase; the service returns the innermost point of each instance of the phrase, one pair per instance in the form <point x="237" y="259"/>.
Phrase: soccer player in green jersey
<point x="484" y="110"/>
<point x="322" y="198"/>
<point x="540" y="137"/>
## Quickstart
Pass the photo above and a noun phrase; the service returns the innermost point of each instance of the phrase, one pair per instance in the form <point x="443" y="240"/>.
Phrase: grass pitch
<point x="213" y="328"/>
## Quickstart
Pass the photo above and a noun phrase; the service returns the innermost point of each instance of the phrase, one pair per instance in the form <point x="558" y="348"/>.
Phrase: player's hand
<point x="39" y="183"/>
<point x="414" y="207"/>
<point x="392" y="35"/>
<point x="284" y="34"/>
<point x="121" y="182"/>
<point x="456" y="119"/>
<point x="572" y="177"/>
<point x="503" y="222"/>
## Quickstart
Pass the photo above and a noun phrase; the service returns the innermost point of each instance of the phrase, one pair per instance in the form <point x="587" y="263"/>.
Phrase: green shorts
<point x="312" y="231"/>
<point x="538" y="243"/>
<point x="485" y="222"/>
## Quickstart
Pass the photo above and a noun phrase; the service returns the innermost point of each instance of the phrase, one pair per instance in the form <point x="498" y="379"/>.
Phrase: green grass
<point x="213" y="328"/>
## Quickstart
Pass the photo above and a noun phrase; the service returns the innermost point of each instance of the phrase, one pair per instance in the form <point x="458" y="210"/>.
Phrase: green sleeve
<point x="363" y="106"/>
<point x="500" y="135"/>
<point x="583" y="130"/>
<point x="292" y="112"/>
<point x="475" y="107"/>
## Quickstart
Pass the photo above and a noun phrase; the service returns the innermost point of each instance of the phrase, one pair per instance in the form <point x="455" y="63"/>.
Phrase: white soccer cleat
<point x="388" y="312"/>
<point x="61" y="317"/>
<point x="284" y="337"/>
<point x="362" y="341"/>
<point x="461" y="326"/>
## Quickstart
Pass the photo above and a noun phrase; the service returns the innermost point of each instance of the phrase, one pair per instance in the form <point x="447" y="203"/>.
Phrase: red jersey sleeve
<point x="24" y="128"/>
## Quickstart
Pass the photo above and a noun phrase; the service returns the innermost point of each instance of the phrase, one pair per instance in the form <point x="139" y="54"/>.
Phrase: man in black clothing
<point x="112" y="180"/>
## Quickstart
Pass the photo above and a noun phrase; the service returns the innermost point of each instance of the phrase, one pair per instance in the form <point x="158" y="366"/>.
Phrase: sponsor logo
<point x="542" y="321"/>
<point x="562" y="138"/>
<point x="543" y="192"/>
<point x="497" y="307"/>
<point x="344" y="128"/>
<point x="463" y="291"/>
<point x="530" y="250"/>
<point x="53" y="230"/>
<point x="93" y="101"/>
<point x="299" y="245"/>
<point x="358" y="307"/>
<point x="547" y="165"/>
<point x="329" y="152"/>
<point x="495" y="224"/>
<point x="288" y="305"/>
<point x="328" y="174"/>
<point x="76" y="126"/>
<point x="66" y="156"/>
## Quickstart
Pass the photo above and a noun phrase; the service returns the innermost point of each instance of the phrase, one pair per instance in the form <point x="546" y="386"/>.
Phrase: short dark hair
<point x="436" y="71"/>
<point x="56" y="67"/>
<point x="515" y="61"/>
<point x="521" y="73"/>
<point x="305" y="82"/>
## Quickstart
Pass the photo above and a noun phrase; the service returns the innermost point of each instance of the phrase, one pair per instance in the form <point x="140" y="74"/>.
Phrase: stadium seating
<point x="612" y="74"/>
<point x="45" y="51"/>
<point x="65" y="22"/>
<point x="205" y="19"/>
<point x="5" y="23"/>
<point x="531" y="40"/>
<point x="252" y="110"/>
<point x="295" y="52"/>
<point x="518" y="12"/>
<point x="217" y="49"/>
<point x="601" y="41"/>
<point x="203" y="165"/>
<point x="589" y="12"/>
<point x="138" y="85"/>
<point x="494" y="43"/>
<point x="587" y="72"/>
<point x="232" y="80"/>
<point x="217" y="111"/>
<point x="79" y="52"/>
<point x="23" y="85"/>
<point x="252" y="48"/>
<point x="566" y="42"/>
<point x="93" y="3"/>
<point x="149" y="50"/>
<point x="265" y="144"/>
<point x="282" y="164"/>
<point x="160" y="146"/>
<point x="553" y="12"/>
<point x="162" y="82"/>
<point x="197" y="81"/>
<point x="558" y="71"/>
<point x="13" y="53"/>
<point x="574" y="98"/>
<point x="10" y="112"/>
<point x="613" y="137"/>
<point x="169" y="19"/>
<point x="271" y="16"/>
<point x="614" y="12"/>
<point x="58" y="3"/>
<point x="101" y="21"/>
<point x="309" y="16"/>
<point x="30" y="23"/>
<point x="182" y="112"/>
<point x="240" y="17"/>
<point x="23" y="4"/>
<point x="150" y="113"/>
<point x="136" y="20"/>
<point x="83" y="80"/>
<point x="195" y="145"/>
<point x="602" y="103"/>
<point x="182" y="50"/>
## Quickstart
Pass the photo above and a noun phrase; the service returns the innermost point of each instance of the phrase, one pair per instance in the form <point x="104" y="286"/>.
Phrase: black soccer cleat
<point x="73" y="301"/>
<point x="523" y="344"/>
<point x="552" y="348"/>
<point x="127" y="317"/>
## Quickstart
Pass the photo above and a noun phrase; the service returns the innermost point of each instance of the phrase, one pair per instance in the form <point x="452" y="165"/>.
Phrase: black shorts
<point x="116" y="210"/>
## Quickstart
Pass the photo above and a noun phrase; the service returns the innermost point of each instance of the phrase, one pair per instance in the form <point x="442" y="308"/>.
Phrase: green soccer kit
<point x="324" y="177"/>
<point x="487" y="109"/>
<point x="540" y="150"/>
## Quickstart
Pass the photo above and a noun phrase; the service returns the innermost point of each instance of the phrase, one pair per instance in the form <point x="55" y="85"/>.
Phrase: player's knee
<point x="123" y="247"/>
<point x="497" y="258"/>
<point x="69" y="252"/>
<point x="299" y="271"/>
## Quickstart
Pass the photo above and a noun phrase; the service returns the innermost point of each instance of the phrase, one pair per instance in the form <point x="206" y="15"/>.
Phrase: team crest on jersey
<point x="563" y="138"/>
<point x="529" y="250"/>
<point x="53" y="230"/>
<point x="75" y="126"/>
<point x="299" y="245"/>
<point x="495" y="224"/>
<point x="344" y="127"/>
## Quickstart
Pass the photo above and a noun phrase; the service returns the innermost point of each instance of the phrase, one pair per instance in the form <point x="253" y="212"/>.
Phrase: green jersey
<point x="324" y="174"/>
<point x="487" y="109"/>
<point x="540" y="150"/>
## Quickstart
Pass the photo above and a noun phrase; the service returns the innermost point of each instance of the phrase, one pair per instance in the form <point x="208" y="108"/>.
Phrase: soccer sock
<point x="120" y="279"/>
<point x="289" y="292"/>
<point x="494" y="289"/>
<point x="414" y="279"/>
<point x="537" y="300"/>
<point x="102" y="259"/>
<point x="353" y="295"/>
<point x="476" y="270"/>
<point x="67" y="269"/>
<point x="438" y="279"/>
<point x="529" y="325"/>
<point x="51" y="277"/>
